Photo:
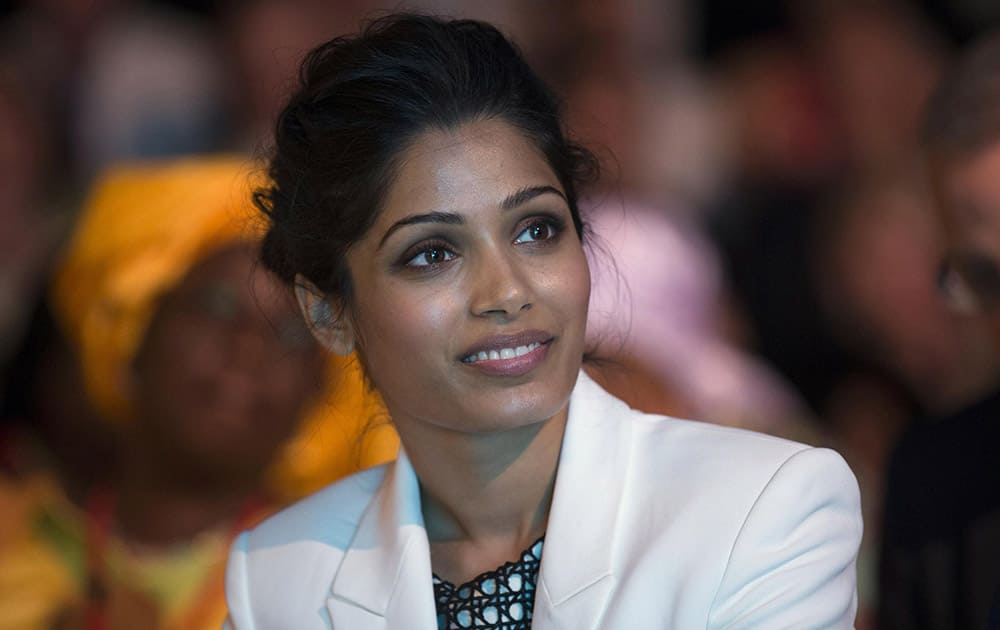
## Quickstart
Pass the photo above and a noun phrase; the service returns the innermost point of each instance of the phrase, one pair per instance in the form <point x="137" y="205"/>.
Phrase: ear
<point x="329" y="323"/>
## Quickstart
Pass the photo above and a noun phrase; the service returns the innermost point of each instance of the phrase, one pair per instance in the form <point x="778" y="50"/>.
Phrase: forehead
<point x="236" y="269"/>
<point x="474" y="166"/>
<point x="231" y="265"/>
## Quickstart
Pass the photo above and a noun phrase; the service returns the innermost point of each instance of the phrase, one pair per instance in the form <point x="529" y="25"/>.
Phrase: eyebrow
<point x="525" y="195"/>
<point x="512" y="201"/>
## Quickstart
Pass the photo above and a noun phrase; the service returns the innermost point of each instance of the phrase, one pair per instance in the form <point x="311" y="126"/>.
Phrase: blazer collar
<point x="388" y="561"/>
<point x="576" y="577"/>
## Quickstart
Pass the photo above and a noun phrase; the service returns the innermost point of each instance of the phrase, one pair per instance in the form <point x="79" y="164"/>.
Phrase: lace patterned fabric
<point x="497" y="600"/>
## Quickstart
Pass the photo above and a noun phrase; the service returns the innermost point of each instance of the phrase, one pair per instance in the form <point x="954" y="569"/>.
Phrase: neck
<point x="485" y="497"/>
<point x="155" y="508"/>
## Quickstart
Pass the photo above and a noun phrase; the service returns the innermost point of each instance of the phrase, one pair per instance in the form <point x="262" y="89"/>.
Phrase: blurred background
<point x="762" y="202"/>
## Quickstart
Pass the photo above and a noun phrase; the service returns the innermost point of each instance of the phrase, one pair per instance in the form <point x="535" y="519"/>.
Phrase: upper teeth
<point x="503" y="353"/>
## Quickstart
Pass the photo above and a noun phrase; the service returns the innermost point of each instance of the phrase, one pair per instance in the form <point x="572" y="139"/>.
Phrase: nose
<point x="248" y="346"/>
<point x="500" y="287"/>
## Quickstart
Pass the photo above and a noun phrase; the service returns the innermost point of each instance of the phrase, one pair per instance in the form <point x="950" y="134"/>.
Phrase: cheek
<point x="293" y="378"/>
<point x="570" y="285"/>
<point x="583" y="286"/>
<point x="411" y="325"/>
<point x="174" y="351"/>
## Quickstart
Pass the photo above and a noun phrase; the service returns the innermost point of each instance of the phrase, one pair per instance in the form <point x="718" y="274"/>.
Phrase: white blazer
<point x="655" y="523"/>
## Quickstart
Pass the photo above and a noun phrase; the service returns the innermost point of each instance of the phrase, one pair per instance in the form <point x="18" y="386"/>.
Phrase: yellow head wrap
<point x="143" y="227"/>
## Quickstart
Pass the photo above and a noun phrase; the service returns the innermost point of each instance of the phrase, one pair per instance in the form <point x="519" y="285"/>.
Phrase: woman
<point x="424" y="203"/>
<point x="198" y="360"/>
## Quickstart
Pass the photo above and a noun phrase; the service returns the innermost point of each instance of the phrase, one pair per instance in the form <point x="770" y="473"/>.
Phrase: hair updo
<point x="361" y="101"/>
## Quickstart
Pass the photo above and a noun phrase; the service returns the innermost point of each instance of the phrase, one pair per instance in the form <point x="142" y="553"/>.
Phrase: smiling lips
<point x="509" y="355"/>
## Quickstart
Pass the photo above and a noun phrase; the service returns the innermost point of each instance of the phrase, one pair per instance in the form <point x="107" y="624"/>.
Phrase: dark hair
<point x="361" y="101"/>
<point x="963" y="113"/>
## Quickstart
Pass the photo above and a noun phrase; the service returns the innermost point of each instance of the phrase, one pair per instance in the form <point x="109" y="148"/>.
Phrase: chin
<point x="533" y="404"/>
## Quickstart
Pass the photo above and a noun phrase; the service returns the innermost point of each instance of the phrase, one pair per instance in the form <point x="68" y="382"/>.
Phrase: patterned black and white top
<point x="497" y="600"/>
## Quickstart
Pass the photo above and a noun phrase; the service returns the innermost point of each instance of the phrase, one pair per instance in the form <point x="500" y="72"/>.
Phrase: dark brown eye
<point x="537" y="231"/>
<point x="429" y="256"/>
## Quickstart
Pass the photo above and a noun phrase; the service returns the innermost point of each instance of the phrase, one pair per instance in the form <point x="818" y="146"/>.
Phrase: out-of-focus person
<point x="199" y="360"/>
<point x="941" y="539"/>
<point x="878" y="248"/>
<point x="878" y="257"/>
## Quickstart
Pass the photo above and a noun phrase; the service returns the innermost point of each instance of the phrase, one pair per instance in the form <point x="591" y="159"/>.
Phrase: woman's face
<point x="471" y="288"/>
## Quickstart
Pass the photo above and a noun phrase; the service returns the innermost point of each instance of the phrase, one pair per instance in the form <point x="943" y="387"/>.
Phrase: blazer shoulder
<point x="707" y="457"/>
<point x="658" y="435"/>
<point x="740" y="466"/>
<point x="793" y="562"/>
<point x="711" y="442"/>
<point x="329" y="516"/>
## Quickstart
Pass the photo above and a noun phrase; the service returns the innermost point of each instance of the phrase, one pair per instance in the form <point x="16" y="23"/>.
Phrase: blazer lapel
<point x="386" y="571"/>
<point x="575" y="577"/>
